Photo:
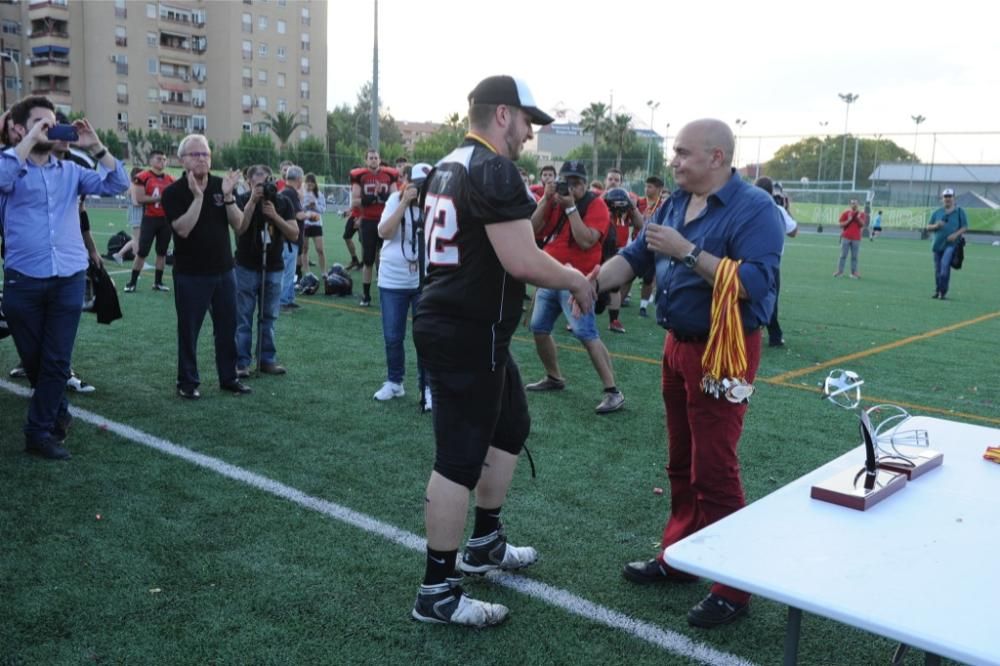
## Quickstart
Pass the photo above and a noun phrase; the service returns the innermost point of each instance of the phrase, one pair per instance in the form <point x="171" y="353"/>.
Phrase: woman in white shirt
<point x="399" y="279"/>
<point x="314" y="205"/>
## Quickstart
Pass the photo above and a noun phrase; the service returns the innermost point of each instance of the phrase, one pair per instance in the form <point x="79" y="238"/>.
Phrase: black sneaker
<point x="447" y="604"/>
<point x="366" y="302"/>
<point x="714" y="611"/>
<point x="18" y="372"/>
<point x="160" y="287"/>
<point x="47" y="448"/>
<point x="188" y="394"/>
<point x="493" y="552"/>
<point x="651" y="571"/>
<point x="130" y="287"/>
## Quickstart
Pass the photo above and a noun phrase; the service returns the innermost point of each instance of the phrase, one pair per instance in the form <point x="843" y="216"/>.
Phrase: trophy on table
<point x="901" y="450"/>
<point x="861" y="488"/>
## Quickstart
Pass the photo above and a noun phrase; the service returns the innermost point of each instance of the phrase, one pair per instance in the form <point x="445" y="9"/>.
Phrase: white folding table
<point x="922" y="567"/>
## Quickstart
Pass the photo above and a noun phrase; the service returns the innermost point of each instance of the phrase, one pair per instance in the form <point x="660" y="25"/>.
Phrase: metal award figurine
<point x="900" y="450"/>
<point x="843" y="388"/>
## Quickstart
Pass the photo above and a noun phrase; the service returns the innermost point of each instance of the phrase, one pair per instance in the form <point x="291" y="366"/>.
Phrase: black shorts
<point x="349" y="228"/>
<point x="157" y="228"/>
<point x="314" y="231"/>
<point x="371" y="242"/>
<point x="474" y="410"/>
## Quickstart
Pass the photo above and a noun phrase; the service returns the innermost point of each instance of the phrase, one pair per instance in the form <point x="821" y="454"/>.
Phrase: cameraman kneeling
<point x="268" y="220"/>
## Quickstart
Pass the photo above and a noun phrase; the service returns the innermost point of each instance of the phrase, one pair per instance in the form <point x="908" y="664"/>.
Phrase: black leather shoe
<point x="714" y="611"/>
<point x="272" y="369"/>
<point x="188" y="394"/>
<point x="651" y="571"/>
<point x="47" y="448"/>
<point x="237" y="388"/>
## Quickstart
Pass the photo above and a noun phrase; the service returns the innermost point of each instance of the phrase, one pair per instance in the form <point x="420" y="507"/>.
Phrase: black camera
<point x="269" y="191"/>
<point x="562" y="188"/>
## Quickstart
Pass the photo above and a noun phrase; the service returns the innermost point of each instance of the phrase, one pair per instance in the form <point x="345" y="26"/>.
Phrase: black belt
<point x="700" y="337"/>
<point x="689" y="337"/>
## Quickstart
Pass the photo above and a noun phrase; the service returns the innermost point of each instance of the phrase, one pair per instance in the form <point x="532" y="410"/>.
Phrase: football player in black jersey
<point x="480" y="253"/>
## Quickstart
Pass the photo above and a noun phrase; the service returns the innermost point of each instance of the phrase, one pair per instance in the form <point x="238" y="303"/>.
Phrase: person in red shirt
<point x="147" y="190"/>
<point x="627" y="224"/>
<point x="647" y="207"/>
<point x="546" y="175"/>
<point x="852" y="222"/>
<point x="370" y="188"/>
<point x="573" y="223"/>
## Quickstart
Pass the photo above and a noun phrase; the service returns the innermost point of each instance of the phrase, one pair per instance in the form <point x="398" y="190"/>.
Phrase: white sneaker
<point x="389" y="391"/>
<point x="443" y="604"/>
<point x="427" y="398"/>
<point x="79" y="385"/>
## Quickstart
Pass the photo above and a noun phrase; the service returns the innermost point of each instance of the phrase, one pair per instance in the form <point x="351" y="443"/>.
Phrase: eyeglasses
<point x="197" y="155"/>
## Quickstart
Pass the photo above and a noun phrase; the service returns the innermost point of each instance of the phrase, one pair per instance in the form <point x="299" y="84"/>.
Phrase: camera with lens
<point x="562" y="188"/>
<point x="269" y="191"/>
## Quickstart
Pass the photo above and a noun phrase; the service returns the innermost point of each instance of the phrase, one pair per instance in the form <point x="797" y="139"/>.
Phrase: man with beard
<point x="481" y="251"/>
<point x="370" y="189"/>
<point x="46" y="260"/>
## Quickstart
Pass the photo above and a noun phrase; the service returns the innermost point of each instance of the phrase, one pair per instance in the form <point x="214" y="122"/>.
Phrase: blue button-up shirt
<point x="41" y="216"/>
<point x="741" y="222"/>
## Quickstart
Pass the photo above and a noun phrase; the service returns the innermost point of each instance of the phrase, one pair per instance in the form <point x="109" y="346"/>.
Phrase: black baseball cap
<point x="510" y="91"/>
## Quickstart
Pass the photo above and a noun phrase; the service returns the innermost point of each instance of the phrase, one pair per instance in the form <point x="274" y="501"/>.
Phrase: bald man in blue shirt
<point x="712" y="215"/>
<point x="46" y="260"/>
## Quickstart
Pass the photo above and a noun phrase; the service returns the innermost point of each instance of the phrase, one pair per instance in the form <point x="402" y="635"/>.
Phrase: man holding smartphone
<point x="46" y="261"/>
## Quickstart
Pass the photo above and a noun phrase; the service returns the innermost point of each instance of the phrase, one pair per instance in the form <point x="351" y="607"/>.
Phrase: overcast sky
<point x="779" y="68"/>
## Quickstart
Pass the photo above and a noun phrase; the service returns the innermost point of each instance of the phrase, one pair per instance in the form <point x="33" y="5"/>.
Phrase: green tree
<point x="795" y="161"/>
<point x="137" y="146"/>
<point x="620" y="131"/>
<point x="283" y="124"/>
<point x="111" y="141"/>
<point x="593" y="119"/>
<point x="445" y="139"/>
<point x="633" y="160"/>
<point x="310" y="154"/>
<point x="162" y="141"/>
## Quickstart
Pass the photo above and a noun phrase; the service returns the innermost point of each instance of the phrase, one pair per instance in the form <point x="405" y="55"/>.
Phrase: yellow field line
<point x="792" y="374"/>
<point x="875" y="400"/>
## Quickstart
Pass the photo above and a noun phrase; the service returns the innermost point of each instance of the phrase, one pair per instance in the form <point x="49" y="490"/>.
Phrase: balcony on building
<point x="175" y="41"/>
<point x="49" y="85"/>
<point x="50" y="28"/>
<point x="199" y="44"/>
<point x="173" y="70"/>
<point x="176" y="15"/>
<point x="122" y="99"/>
<point x="49" y="60"/>
<point x="172" y="122"/>
<point x="39" y="9"/>
<point x="175" y="97"/>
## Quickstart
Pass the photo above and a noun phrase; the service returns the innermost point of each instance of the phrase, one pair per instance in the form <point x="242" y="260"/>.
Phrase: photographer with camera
<point x="401" y="227"/>
<point x="268" y="220"/>
<point x="572" y="222"/>
<point x="370" y="189"/>
<point x="625" y="217"/>
<point x="45" y="257"/>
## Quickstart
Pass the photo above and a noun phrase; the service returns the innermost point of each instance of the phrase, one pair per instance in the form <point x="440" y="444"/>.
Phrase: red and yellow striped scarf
<point x="725" y="354"/>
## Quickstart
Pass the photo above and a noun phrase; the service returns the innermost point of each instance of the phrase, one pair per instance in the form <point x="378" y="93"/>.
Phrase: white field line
<point x="665" y="639"/>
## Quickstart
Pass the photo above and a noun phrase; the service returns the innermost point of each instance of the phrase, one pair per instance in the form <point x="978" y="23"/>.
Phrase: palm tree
<point x="283" y="125"/>
<point x="592" y="120"/>
<point x="620" y="129"/>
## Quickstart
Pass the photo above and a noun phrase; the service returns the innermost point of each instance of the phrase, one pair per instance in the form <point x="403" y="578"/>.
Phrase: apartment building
<point x="178" y="66"/>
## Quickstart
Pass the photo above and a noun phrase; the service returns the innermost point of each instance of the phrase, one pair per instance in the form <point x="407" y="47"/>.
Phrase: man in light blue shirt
<point x="46" y="261"/>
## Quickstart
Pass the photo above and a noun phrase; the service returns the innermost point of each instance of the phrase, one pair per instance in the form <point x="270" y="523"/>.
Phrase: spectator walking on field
<point x="949" y="224"/>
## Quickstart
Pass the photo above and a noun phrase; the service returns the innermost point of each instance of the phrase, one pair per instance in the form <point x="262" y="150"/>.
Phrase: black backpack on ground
<point x="116" y="243"/>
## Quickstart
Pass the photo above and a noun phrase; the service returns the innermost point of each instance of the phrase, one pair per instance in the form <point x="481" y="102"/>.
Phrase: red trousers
<point x="702" y="435"/>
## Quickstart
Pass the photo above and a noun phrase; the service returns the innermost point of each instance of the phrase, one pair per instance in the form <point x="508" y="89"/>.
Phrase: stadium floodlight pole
<point x="913" y="160"/>
<point x="848" y="98"/>
<point x="653" y="106"/>
<point x="740" y="124"/>
<point x="819" y="170"/>
<point x="374" y="127"/>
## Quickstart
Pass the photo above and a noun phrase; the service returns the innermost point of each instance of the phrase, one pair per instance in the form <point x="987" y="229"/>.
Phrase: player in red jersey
<point x="370" y="188"/>
<point x="148" y="188"/>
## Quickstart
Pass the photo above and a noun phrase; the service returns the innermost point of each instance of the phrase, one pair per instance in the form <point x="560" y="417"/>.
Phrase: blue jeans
<point x="942" y="268"/>
<point x="290" y="257"/>
<point x="194" y="296"/>
<point x="247" y="298"/>
<point x="43" y="315"/>
<point x="395" y="303"/>
<point x="549" y="303"/>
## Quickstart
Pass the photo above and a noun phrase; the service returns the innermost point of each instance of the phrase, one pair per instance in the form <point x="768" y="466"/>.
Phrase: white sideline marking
<point x="666" y="639"/>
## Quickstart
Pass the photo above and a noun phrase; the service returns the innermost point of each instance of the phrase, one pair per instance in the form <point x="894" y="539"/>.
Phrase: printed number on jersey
<point x="442" y="218"/>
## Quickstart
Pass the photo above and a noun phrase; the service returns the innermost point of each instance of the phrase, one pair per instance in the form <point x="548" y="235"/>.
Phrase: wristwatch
<point x="691" y="258"/>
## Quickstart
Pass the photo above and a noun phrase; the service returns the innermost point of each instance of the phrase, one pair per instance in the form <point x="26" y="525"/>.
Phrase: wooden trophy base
<point x="924" y="460"/>
<point x="840" y="489"/>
